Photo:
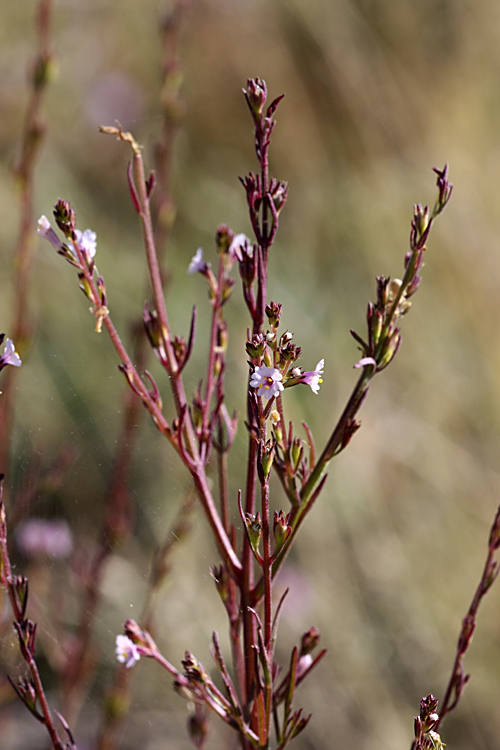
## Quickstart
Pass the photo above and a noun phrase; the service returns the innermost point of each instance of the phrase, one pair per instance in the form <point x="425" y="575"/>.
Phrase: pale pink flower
<point x="126" y="651"/>
<point x="267" y="380"/>
<point x="10" y="356"/>
<point x="314" y="379"/>
<point x="39" y="537"/>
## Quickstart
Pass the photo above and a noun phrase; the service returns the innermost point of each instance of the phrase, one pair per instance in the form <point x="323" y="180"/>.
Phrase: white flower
<point x="314" y="378"/>
<point x="10" y="356"/>
<point x="45" y="230"/>
<point x="197" y="263"/>
<point x="43" y="227"/>
<point x="126" y="651"/>
<point x="267" y="380"/>
<point x="240" y="241"/>
<point x="87" y="241"/>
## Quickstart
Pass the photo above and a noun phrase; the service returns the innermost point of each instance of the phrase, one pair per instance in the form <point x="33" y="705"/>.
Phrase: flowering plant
<point x="256" y="698"/>
<point x="258" y="702"/>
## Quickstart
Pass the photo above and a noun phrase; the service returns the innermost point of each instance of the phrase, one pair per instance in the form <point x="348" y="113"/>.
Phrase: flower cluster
<point x="201" y="425"/>
<point x="86" y="240"/>
<point x="80" y="251"/>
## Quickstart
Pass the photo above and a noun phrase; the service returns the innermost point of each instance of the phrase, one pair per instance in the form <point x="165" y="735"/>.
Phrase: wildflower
<point x="241" y="246"/>
<point x="87" y="241"/>
<point x="126" y="651"/>
<point x="197" y="263"/>
<point x="9" y="356"/>
<point x="43" y="227"/>
<point x="45" y="230"/>
<point x="267" y="380"/>
<point x="38" y="537"/>
<point x="314" y="379"/>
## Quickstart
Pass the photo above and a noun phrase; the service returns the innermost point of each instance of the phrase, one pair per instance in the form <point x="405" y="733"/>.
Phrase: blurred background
<point x="377" y="93"/>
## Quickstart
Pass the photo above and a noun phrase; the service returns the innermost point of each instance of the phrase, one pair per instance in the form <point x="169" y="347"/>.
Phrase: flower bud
<point x="278" y="192"/>
<point x="138" y="636"/>
<point x="296" y="453"/>
<point x="420" y="227"/>
<point x="85" y="286"/>
<point x="267" y="458"/>
<point x="273" y="312"/>
<point x="309" y="641"/>
<point x="21" y="589"/>
<point x="180" y="349"/>
<point x="254" y="530"/>
<point x="256" y="347"/>
<point x="223" y="238"/>
<point x="26" y="691"/>
<point x="281" y="528"/>
<point x="194" y="668"/>
<point x="268" y="355"/>
<point x="222" y="336"/>
<point x="198" y="727"/>
<point x="256" y="94"/>
<point x="444" y="189"/>
<point x="391" y="347"/>
<point x="276" y="422"/>
<point x="375" y="326"/>
<point x="65" y="218"/>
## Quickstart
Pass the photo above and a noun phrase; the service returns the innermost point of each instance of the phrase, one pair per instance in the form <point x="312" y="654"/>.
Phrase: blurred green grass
<point x="377" y="93"/>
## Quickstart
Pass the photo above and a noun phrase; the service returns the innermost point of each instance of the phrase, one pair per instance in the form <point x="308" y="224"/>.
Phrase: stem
<point x="8" y="581"/>
<point x="247" y="558"/>
<point x="267" y="574"/>
<point x="210" y="385"/>
<point x="456" y="683"/>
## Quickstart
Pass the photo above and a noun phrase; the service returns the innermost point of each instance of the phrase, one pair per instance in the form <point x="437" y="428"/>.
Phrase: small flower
<point x="45" y="230"/>
<point x="197" y="264"/>
<point x="43" y="227"/>
<point x="241" y="246"/>
<point x="10" y="356"/>
<point x="267" y="380"/>
<point x="126" y="651"/>
<point x="87" y="241"/>
<point x="314" y="379"/>
<point x="39" y="537"/>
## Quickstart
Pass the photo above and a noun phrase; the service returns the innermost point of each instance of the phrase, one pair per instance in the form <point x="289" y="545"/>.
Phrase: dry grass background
<point x="377" y="93"/>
